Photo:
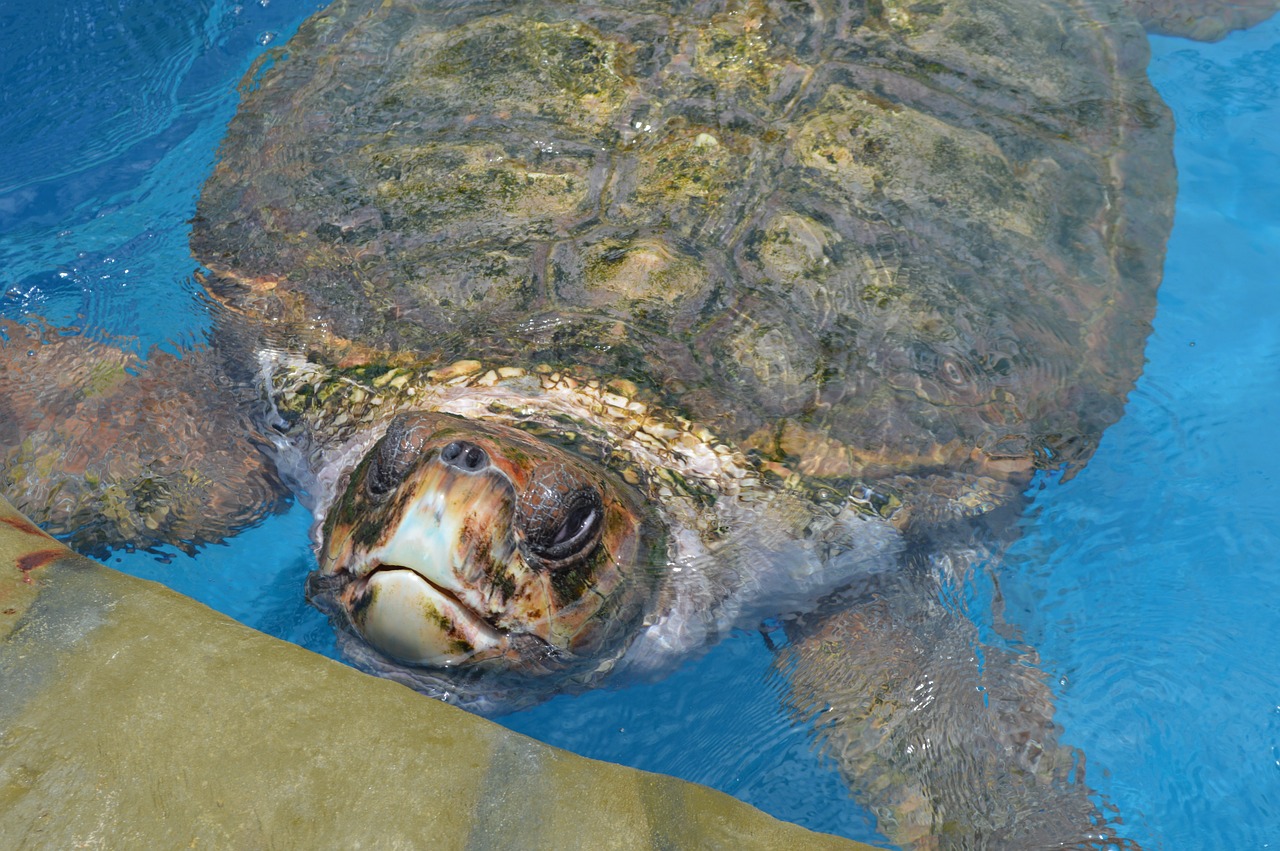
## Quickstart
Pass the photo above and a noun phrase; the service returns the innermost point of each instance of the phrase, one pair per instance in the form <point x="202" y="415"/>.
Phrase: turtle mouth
<point x="367" y="576"/>
<point x="407" y="616"/>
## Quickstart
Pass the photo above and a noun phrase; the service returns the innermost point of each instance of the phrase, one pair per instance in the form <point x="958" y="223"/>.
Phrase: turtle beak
<point x="410" y="618"/>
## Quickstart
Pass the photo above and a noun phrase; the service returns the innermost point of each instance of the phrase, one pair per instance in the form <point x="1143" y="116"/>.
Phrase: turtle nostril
<point x="464" y="456"/>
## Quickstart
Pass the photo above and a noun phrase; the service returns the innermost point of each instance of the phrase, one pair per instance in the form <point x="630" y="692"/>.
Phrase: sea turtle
<point x="592" y="330"/>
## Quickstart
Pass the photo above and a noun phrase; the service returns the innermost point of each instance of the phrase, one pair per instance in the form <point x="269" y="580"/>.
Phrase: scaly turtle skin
<point x="590" y="331"/>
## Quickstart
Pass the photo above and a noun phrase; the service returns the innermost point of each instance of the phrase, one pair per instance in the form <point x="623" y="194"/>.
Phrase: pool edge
<point x="132" y="715"/>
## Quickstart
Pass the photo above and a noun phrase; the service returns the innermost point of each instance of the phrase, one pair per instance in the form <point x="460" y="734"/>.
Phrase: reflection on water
<point x="1142" y="582"/>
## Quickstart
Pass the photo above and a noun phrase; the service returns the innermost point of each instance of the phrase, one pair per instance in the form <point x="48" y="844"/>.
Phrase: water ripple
<point x="148" y="50"/>
<point x="114" y="114"/>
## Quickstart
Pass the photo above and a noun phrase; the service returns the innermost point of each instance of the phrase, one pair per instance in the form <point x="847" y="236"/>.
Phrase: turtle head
<point x="459" y="542"/>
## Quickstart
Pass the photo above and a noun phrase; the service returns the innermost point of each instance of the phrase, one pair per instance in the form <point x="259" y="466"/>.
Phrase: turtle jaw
<point x="408" y="617"/>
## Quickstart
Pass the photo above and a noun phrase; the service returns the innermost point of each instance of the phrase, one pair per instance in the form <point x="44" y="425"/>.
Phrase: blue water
<point x="1149" y="583"/>
<point x="109" y="118"/>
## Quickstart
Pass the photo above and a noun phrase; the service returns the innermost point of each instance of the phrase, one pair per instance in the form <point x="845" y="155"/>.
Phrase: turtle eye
<point x="559" y="516"/>
<point x="580" y="527"/>
<point x="392" y="458"/>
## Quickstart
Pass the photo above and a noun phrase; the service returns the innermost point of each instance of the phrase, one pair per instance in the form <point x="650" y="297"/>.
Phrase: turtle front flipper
<point x="106" y="449"/>
<point x="950" y="741"/>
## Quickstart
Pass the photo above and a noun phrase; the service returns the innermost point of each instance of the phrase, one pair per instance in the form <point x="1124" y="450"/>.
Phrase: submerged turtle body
<point x="744" y="298"/>
<point x="729" y="303"/>
<point x="874" y="263"/>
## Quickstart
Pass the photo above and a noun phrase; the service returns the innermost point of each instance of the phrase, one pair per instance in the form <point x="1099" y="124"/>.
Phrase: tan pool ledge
<point x="134" y="717"/>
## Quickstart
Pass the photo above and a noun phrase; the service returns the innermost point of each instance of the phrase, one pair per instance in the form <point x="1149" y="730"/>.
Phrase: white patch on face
<point x="426" y="540"/>
<point x="455" y="531"/>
